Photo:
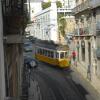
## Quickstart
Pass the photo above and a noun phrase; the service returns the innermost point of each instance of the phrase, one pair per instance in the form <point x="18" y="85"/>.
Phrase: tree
<point x="48" y="4"/>
<point x="60" y="17"/>
<point x="59" y="4"/>
<point x="61" y="26"/>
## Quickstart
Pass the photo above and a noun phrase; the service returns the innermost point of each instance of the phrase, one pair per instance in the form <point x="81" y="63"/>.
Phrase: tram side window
<point x="48" y="53"/>
<point x="52" y="54"/>
<point x="62" y="55"/>
<point x="36" y="50"/>
<point x="40" y="51"/>
<point x="45" y="52"/>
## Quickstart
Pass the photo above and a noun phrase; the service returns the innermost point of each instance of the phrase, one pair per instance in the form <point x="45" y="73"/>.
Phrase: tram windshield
<point x="63" y="55"/>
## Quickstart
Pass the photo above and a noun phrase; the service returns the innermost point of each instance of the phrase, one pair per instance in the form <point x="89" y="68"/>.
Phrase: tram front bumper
<point x="64" y="63"/>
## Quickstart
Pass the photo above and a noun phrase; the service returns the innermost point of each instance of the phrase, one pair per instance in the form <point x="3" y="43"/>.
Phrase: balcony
<point x="83" y="32"/>
<point x="86" y="5"/>
<point x="62" y="10"/>
<point x="83" y="6"/>
<point x="95" y="3"/>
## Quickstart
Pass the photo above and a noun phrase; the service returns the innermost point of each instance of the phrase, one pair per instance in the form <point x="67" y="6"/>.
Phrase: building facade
<point x="86" y="40"/>
<point x="69" y="4"/>
<point x="45" y="24"/>
<point x="32" y="8"/>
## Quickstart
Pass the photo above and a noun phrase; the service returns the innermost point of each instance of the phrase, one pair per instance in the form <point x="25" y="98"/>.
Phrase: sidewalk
<point x="79" y="79"/>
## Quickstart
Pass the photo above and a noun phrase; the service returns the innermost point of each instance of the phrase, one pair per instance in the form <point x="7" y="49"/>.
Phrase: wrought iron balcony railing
<point x="83" y="6"/>
<point x="95" y="3"/>
<point x="88" y="4"/>
<point x="61" y="10"/>
<point x="83" y="31"/>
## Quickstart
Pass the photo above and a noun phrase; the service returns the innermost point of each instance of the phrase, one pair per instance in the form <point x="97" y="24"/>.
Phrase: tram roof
<point x="52" y="45"/>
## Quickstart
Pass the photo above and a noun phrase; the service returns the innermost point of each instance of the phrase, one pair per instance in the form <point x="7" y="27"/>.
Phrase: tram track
<point x="60" y="91"/>
<point x="53" y="89"/>
<point x="72" y="84"/>
<point x="46" y="91"/>
<point x="66" y="83"/>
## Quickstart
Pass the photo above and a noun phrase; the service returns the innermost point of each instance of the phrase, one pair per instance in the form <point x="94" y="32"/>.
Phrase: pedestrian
<point x="74" y="57"/>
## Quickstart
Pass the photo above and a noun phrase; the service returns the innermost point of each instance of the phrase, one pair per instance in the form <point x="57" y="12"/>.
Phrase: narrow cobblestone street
<point x="49" y="83"/>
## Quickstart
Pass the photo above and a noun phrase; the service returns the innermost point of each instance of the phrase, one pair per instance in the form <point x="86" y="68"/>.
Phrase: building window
<point x="98" y="28"/>
<point x="83" y="50"/>
<point x="32" y="11"/>
<point x="78" y="50"/>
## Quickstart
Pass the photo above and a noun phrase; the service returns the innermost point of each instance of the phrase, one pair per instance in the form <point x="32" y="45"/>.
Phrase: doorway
<point x="89" y="65"/>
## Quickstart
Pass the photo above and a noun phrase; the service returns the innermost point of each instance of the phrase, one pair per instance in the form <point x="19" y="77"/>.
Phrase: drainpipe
<point x="2" y="71"/>
<point x="29" y="11"/>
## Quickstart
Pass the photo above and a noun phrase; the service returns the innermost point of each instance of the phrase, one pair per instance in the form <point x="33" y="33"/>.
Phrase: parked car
<point x="30" y="62"/>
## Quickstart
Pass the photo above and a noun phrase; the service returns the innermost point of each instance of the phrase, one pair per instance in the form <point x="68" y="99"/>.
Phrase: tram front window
<point x="62" y="55"/>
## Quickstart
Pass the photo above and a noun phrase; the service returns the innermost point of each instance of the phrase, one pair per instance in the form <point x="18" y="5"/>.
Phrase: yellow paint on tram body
<point x="63" y="63"/>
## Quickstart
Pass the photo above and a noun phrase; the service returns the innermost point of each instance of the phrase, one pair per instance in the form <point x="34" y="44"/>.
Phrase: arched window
<point x="83" y="50"/>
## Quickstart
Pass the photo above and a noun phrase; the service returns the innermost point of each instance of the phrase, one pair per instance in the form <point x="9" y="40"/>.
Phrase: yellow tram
<point x="54" y="54"/>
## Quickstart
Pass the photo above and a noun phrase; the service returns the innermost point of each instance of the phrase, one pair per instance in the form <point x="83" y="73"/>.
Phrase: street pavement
<point x="50" y="83"/>
<point x="80" y="80"/>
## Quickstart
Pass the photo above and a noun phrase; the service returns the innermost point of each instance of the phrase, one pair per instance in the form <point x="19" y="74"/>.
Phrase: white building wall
<point x="2" y="74"/>
<point x="35" y="7"/>
<point x="45" y="24"/>
<point x="70" y="4"/>
<point x="53" y="17"/>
